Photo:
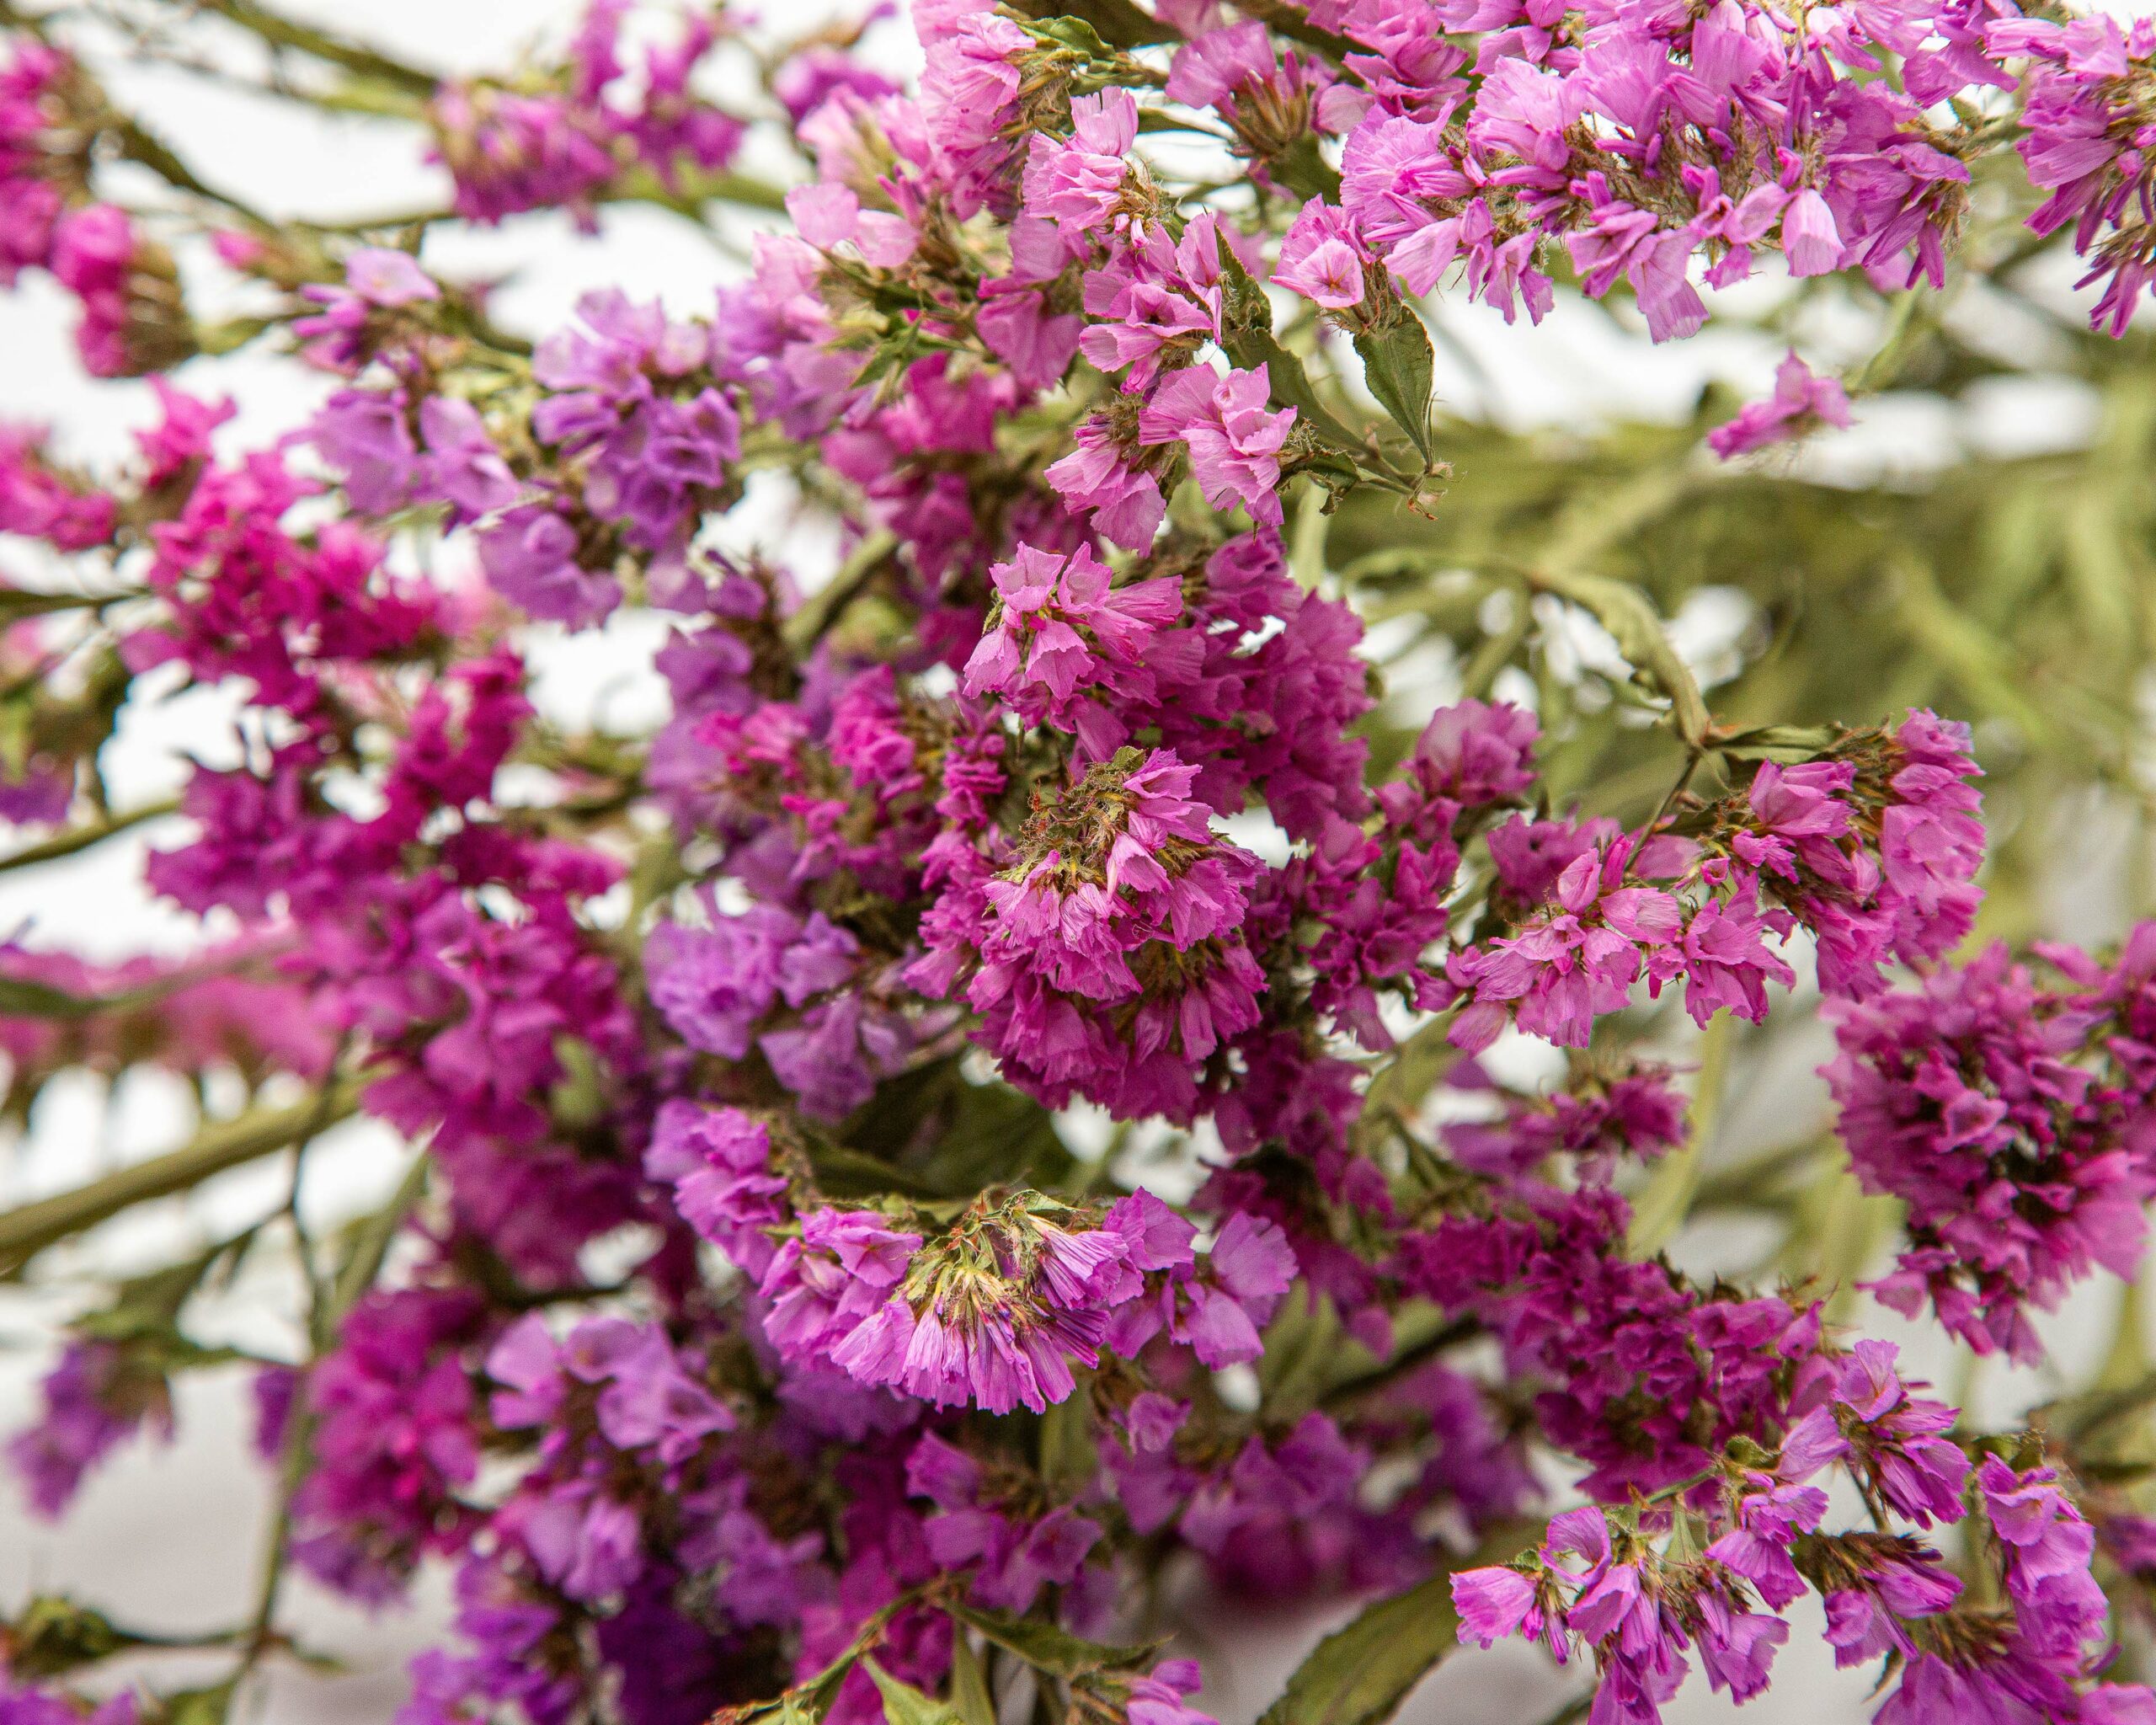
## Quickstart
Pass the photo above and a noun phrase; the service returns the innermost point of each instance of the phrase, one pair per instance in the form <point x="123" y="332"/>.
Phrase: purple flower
<point x="714" y="984"/>
<point x="382" y="277"/>
<point x="1495" y="1604"/>
<point x="94" y="1399"/>
<point x="532" y="559"/>
<point x="823" y="1283"/>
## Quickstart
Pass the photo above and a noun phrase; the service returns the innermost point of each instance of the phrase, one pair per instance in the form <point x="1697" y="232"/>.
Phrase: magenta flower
<point x="94" y="1399"/>
<point x="999" y="1331"/>
<point x="1568" y="968"/>
<point x="2020" y="1167"/>
<point x="918" y="962"/>
<point x="1233" y="440"/>
<point x="1800" y="403"/>
<point x="1061" y="632"/>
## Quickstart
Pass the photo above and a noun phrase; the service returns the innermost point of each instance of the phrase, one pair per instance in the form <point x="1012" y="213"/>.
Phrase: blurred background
<point x="1979" y="540"/>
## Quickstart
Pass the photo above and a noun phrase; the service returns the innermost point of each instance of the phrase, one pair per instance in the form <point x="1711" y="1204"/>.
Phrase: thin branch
<point x="228" y="1144"/>
<point x="141" y="147"/>
<point x="369" y="1248"/>
<point x="82" y="838"/>
<point x="282" y="32"/>
<point x="814" y="620"/>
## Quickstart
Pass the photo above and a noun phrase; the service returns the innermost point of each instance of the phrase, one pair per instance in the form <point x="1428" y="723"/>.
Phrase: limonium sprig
<point x="1045" y="1073"/>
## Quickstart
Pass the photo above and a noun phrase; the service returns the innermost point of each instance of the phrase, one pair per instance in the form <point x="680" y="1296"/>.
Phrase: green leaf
<point x="1255" y="350"/>
<point x="842" y="1172"/>
<point x="1075" y="34"/>
<point x="1359" y="1675"/>
<point x="1249" y="342"/>
<point x="1048" y="1649"/>
<point x="806" y="1702"/>
<point x="1400" y="368"/>
<point x="903" y="1704"/>
<point x="969" y="1695"/>
<point x="1114" y="21"/>
<point x="929" y="1132"/>
<point x="1068" y="1454"/>
<point x="1303" y="171"/>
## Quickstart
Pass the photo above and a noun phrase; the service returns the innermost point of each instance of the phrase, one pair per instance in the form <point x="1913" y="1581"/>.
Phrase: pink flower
<point x="383" y="277"/>
<point x="1077" y="183"/>
<point x="1800" y="403"/>
<point x="1233" y="440"/>
<point x="1811" y="242"/>
<point x="1321" y="258"/>
<point x="1060" y="632"/>
<point x="1494" y="1604"/>
<point x="1096" y="479"/>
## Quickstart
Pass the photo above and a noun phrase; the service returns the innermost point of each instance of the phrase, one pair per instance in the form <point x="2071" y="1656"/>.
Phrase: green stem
<point x="228" y="1144"/>
<point x="82" y="838"/>
<point x="282" y="32"/>
<point x="16" y="604"/>
<point x="730" y="188"/>
<point x="1668" y="1198"/>
<point x="814" y="620"/>
<point x="1752" y="1182"/>
<point x="1403" y="1364"/>
<point x="139" y="146"/>
<point x="1496" y="651"/>
<point x="369" y="1248"/>
<point x="395" y="219"/>
<point x="371" y="1245"/>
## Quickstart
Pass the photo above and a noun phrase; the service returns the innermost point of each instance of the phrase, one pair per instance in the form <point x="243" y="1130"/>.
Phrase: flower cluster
<point x="1000" y="1074"/>
<point x="132" y="321"/>
<point x="563" y="136"/>
<point x="1615" y="1586"/>
<point x="2015" y="1121"/>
